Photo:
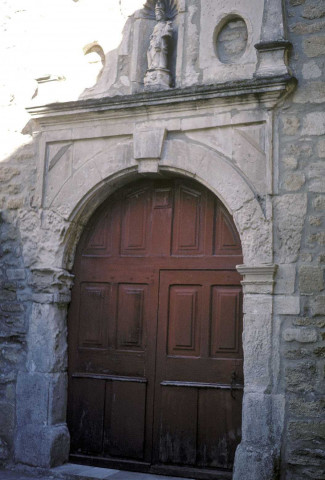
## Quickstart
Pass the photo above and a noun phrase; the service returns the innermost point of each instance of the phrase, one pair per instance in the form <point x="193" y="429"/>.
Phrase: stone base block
<point x="158" y="79"/>
<point x="45" y="447"/>
<point x="254" y="464"/>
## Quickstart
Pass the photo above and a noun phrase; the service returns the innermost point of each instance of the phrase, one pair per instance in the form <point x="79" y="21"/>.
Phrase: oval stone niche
<point x="231" y="39"/>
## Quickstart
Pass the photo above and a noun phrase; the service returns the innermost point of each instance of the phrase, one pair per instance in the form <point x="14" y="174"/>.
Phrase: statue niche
<point x="158" y="76"/>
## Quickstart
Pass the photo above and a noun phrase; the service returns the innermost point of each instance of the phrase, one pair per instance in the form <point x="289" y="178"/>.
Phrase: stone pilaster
<point x="257" y="456"/>
<point x="42" y="435"/>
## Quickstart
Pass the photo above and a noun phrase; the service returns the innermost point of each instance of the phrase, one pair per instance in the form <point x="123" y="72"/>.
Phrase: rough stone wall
<point x="300" y="241"/>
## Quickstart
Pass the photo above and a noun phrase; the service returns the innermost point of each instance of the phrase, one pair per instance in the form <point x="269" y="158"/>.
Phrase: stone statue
<point x="158" y="75"/>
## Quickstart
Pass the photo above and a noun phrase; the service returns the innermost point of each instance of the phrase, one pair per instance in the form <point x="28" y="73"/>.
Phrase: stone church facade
<point x="236" y="105"/>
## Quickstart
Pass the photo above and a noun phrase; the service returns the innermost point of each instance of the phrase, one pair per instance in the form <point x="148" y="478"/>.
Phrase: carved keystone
<point x="148" y="146"/>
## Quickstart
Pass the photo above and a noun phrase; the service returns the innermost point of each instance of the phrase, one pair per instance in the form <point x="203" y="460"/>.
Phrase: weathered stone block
<point x="286" y="305"/>
<point x="7" y="296"/>
<point x="302" y="335"/>
<point x="15" y="203"/>
<point x="12" y="307"/>
<point x="310" y="279"/>
<point x="315" y="221"/>
<point x="314" y="92"/>
<point x="42" y="446"/>
<point x="289" y="211"/>
<point x="290" y="124"/>
<point x="255" y="463"/>
<point x="316" y="175"/>
<point x="257" y="350"/>
<point x="294" y="181"/>
<point x="47" y="339"/>
<point x="311" y="70"/>
<point x="32" y="390"/>
<point x="314" y="46"/>
<point x="257" y="419"/>
<point x="290" y="163"/>
<point x="314" y="10"/>
<point x="306" y="408"/>
<point x="321" y="148"/>
<point x="313" y="432"/>
<point x="314" y="122"/>
<point x="301" y="378"/>
<point x="15" y="274"/>
<point x="7" y="420"/>
<point x="4" y="450"/>
<point x="302" y="28"/>
<point x="7" y="173"/>
<point x="306" y="457"/>
<point x="285" y="279"/>
<point x="257" y="304"/>
<point x="13" y="352"/>
<point x="317" y="305"/>
<point x="295" y="3"/>
<point x="58" y="398"/>
<point x="298" y="353"/>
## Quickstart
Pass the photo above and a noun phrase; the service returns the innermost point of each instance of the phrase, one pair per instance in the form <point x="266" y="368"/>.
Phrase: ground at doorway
<point x="70" y="471"/>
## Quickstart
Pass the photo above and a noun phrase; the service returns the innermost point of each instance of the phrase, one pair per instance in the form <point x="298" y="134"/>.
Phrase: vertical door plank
<point x="125" y="419"/>
<point x="86" y="425"/>
<point x="177" y="444"/>
<point x="219" y="427"/>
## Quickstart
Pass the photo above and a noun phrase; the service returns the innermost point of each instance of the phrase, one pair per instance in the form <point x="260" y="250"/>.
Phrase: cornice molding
<point x="267" y="91"/>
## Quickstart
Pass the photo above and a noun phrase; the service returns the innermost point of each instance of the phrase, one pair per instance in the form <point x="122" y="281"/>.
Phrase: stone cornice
<point x="267" y="91"/>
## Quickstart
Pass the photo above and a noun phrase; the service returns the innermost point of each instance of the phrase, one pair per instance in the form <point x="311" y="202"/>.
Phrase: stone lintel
<point x="258" y="278"/>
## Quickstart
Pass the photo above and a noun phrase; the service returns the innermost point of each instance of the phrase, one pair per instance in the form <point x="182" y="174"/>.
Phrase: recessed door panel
<point x="225" y="320"/>
<point x="184" y="320"/>
<point x="94" y="312"/>
<point x="134" y="239"/>
<point x="132" y="300"/>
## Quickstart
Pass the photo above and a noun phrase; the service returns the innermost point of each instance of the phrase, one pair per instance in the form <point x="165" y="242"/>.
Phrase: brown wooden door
<point x="155" y="355"/>
<point x="199" y="369"/>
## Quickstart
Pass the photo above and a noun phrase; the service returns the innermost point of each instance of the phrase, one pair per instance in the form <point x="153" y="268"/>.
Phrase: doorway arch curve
<point x="185" y="158"/>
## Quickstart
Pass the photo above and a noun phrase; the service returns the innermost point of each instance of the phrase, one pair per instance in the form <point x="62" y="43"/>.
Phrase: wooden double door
<point x="155" y="324"/>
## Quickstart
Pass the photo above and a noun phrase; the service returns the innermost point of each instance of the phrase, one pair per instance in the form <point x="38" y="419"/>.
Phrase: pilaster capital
<point x="258" y="278"/>
<point x="50" y="285"/>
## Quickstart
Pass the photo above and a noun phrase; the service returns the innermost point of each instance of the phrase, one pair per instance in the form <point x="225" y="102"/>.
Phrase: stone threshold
<point x="71" y="471"/>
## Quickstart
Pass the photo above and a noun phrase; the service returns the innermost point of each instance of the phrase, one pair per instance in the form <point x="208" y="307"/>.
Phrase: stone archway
<point x="262" y="410"/>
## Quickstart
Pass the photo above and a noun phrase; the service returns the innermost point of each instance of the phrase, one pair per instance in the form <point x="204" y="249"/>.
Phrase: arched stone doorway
<point x="155" y="323"/>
